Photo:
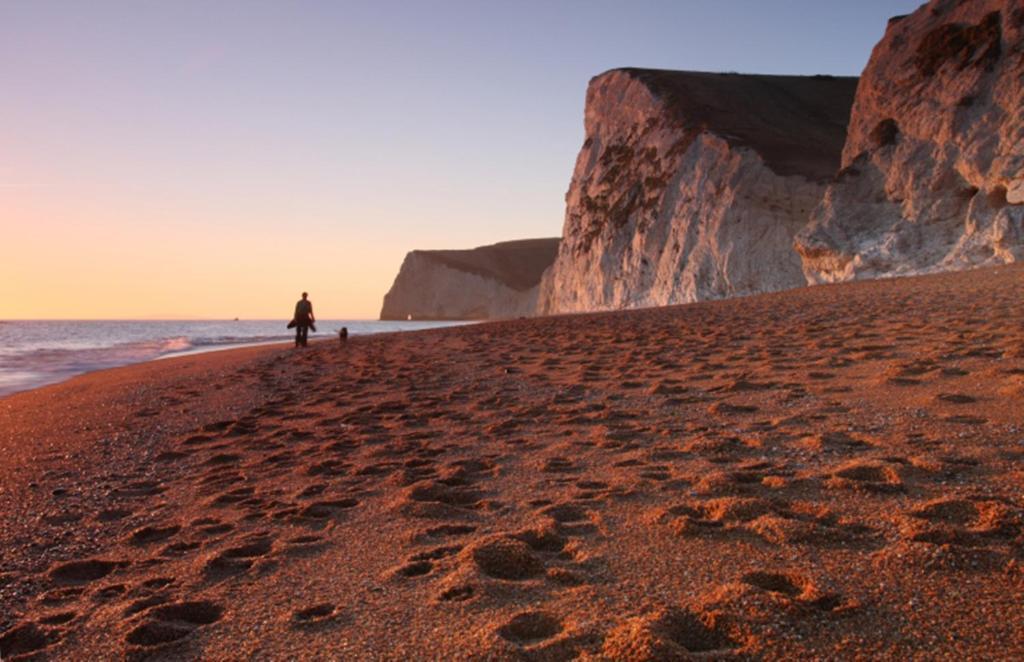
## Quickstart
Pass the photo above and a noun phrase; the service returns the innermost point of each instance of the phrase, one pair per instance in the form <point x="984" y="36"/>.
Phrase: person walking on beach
<point x="303" y="319"/>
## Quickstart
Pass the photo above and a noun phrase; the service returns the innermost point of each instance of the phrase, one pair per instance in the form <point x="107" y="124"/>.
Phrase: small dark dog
<point x="343" y="335"/>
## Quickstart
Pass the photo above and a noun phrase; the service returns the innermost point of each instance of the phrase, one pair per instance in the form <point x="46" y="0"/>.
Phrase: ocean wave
<point x="77" y="360"/>
<point x="239" y="340"/>
<point x="178" y="344"/>
<point x="34" y="353"/>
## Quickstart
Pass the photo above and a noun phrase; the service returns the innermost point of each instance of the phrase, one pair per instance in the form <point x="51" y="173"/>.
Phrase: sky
<point x="214" y="159"/>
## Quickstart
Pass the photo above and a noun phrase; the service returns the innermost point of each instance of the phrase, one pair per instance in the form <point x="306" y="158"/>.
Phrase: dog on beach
<point x="343" y="335"/>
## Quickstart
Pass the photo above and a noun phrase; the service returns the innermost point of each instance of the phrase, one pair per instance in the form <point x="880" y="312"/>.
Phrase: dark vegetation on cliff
<point x="796" y="123"/>
<point x="517" y="264"/>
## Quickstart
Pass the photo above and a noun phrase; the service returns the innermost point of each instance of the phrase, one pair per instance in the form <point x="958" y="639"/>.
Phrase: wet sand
<point x="821" y="473"/>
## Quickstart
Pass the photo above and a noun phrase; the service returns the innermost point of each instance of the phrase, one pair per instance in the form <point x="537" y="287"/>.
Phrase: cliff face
<point x="693" y="185"/>
<point x="933" y="175"/>
<point x="488" y="282"/>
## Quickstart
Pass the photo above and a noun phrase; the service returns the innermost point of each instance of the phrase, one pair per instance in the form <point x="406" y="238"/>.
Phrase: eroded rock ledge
<point x="692" y="186"/>
<point x="488" y="282"/>
<point x="933" y="167"/>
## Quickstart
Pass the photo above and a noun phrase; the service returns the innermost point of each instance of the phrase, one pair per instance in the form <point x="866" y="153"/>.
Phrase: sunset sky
<point x="214" y="159"/>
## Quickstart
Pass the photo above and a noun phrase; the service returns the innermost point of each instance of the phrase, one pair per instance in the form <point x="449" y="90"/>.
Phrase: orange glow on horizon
<point x="93" y="265"/>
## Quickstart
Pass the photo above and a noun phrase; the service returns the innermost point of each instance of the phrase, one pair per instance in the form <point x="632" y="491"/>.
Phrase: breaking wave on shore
<point x="37" y="353"/>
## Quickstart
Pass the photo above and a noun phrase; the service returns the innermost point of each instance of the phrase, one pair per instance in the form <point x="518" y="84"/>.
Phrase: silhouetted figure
<point x="343" y="335"/>
<point x="303" y="320"/>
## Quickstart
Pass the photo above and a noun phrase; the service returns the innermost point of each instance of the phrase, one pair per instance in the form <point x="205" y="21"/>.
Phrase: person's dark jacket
<point x="303" y="315"/>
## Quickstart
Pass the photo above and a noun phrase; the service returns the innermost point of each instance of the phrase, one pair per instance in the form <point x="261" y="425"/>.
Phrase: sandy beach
<point x="832" y="472"/>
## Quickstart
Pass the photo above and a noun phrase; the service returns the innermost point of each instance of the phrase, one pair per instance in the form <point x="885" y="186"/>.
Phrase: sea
<point x="36" y="353"/>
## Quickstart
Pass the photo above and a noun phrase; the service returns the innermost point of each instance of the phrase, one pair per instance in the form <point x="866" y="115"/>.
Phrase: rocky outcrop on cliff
<point x="933" y="166"/>
<point x="488" y="282"/>
<point x="693" y="185"/>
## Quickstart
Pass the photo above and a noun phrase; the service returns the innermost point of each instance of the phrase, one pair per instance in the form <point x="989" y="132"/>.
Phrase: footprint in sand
<point x="305" y="545"/>
<point x="319" y="614"/>
<point x="436" y="553"/>
<point x="210" y="527"/>
<point x="738" y="482"/>
<point x="530" y="627"/>
<point x="170" y="457"/>
<point x="232" y="497"/>
<point x="238" y="559"/>
<point x="956" y="398"/>
<point x="774" y="521"/>
<point x="26" y="639"/>
<point x="731" y="409"/>
<point x="329" y="468"/>
<point x="559" y="464"/>
<point x="112" y="514"/>
<point x="833" y="442"/>
<point x="414" y="569"/>
<point x="198" y="440"/>
<point x="436" y="499"/>
<point x="964" y="419"/>
<point x="424" y="563"/>
<point x="139" y="489"/>
<point x="148" y="535"/>
<point x="143" y="604"/>
<point x="504" y="557"/>
<point x="793" y="587"/>
<point x="171" y="623"/>
<point x="593" y="491"/>
<point x="669" y="634"/>
<point x="460" y="593"/>
<point x="59" y="618"/>
<point x="62" y="596"/>
<point x="223" y="458"/>
<point x="83" y="572"/>
<point x="155" y="583"/>
<point x="963" y="522"/>
<point x="570" y="518"/>
<point x="866" y="476"/>
<point x="443" y="531"/>
<point x="319" y="513"/>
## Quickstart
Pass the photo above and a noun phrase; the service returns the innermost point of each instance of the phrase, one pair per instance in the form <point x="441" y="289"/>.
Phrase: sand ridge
<point x="828" y="472"/>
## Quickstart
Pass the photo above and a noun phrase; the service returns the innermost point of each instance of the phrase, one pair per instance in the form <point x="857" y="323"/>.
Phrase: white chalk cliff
<point x="488" y="282"/>
<point x="693" y="186"/>
<point x="933" y="166"/>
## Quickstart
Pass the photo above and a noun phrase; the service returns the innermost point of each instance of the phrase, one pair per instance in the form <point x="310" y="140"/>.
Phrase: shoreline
<point x="830" y="471"/>
<point x="166" y="357"/>
<point x="47" y="375"/>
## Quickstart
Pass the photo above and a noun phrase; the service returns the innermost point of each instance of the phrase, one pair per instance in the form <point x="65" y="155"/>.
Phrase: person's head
<point x="305" y="295"/>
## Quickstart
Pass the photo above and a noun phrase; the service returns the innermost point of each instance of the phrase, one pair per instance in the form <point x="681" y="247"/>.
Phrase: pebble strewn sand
<point x="830" y="472"/>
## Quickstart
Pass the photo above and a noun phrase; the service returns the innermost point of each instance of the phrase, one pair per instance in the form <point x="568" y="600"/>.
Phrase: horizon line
<point x="179" y="319"/>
